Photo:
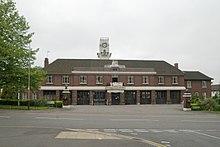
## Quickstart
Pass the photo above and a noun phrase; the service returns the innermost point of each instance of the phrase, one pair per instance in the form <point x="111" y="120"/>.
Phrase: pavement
<point x="119" y="126"/>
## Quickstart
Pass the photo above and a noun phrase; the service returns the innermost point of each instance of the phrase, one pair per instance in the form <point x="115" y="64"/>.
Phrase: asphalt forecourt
<point x="143" y="125"/>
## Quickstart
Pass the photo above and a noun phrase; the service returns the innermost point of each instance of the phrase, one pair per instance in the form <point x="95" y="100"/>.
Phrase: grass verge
<point x="25" y="107"/>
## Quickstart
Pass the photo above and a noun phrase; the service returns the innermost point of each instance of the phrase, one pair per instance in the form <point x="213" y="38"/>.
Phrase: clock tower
<point x="104" y="48"/>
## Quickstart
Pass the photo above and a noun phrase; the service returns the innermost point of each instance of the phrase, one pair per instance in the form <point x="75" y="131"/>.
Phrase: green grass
<point x="24" y="107"/>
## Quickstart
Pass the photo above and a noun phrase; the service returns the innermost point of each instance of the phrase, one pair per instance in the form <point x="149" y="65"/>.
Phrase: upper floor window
<point x="65" y="80"/>
<point x="161" y="80"/>
<point x="204" y="84"/>
<point x="130" y="79"/>
<point x="83" y="79"/>
<point x="174" y="80"/>
<point x="49" y="79"/>
<point x="99" y="79"/>
<point x="145" y="80"/>
<point x="188" y="84"/>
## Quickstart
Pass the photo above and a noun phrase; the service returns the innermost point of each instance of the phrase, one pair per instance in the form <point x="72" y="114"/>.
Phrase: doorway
<point x="115" y="98"/>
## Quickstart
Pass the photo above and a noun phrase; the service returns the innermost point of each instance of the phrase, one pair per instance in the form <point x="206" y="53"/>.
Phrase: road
<point x="119" y="126"/>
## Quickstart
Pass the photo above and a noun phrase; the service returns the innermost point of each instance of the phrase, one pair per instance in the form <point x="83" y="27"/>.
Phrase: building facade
<point x="117" y="82"/>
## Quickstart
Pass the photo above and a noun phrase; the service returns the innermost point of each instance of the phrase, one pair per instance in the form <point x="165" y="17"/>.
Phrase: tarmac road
<point x="118" y="126"/>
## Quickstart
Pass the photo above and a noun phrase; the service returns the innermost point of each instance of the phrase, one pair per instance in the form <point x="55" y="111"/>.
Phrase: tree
<point x="14" y="43"/>
<point x="15" y="52"/>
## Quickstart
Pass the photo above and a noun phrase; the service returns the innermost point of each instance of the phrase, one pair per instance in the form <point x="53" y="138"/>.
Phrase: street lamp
<point x="29" y="75"/>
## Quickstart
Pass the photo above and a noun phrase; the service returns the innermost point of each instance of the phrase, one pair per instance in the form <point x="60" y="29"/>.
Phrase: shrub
<point x="39" y="102"/>
<point x="59" y="104"/>
<point x="209" y="104"/>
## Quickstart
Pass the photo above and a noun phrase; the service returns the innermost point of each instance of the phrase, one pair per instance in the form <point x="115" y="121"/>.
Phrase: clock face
<point x="104" y="45"/>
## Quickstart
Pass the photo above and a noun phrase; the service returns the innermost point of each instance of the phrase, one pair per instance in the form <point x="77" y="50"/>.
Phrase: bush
<point x="9" y="102"/>
<point x="58" y="104"/>
<point x="209" y="104"/>
<point x="39" y="102"/>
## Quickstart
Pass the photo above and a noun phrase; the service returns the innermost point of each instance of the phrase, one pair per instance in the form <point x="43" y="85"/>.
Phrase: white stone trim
<point x="107" y="88"/>
<point x="114" y="72"/>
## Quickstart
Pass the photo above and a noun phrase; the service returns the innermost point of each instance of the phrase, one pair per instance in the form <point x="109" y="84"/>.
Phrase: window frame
<point x="175" y="80"/>
<point x="83" y="79"/>
<point x="130" y="80"/>
<point x="204" y="84"/>
<point x="145" y="79"/>
<point x="65" y="79"/>
<point x="99" y="79"/>
<point x="49" y="79"/>
<point x="161" y="80"/>
<point x="188" y="84"/>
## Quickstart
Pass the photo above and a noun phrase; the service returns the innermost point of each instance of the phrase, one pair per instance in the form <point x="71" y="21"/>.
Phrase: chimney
<point x="176" y="65"/>
<point x="46" y="62"/>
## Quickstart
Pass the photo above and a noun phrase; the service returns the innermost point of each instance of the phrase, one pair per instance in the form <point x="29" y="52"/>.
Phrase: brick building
<point x="112" y="82"/>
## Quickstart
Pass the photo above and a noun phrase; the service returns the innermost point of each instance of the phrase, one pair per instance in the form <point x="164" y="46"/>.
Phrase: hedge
<point x="37" y="103"/>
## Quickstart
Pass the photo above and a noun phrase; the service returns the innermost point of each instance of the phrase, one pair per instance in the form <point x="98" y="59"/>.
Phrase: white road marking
<point x="110" y="130"/>
<point x="202" y="121"/>
<point x="214" y="130"/>
<point x="58" y="118"/>
<point x="165" y="142"/>
<point x="186" y="130"/>
<point x="126" y="130"/>
<point x="156" y="131"/>
<point x="204" y="134"/>
<point x="141" y="130"/>
<point x="171" y="131"/>
<point x="127" y="120"/>
<point x="5" y="117"/>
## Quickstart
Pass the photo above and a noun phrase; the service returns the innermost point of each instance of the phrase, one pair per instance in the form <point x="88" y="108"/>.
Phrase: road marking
<point x="171" y="131"/>
<point x="202" y="121"/>
<point x="214" y="130"/>
<point x="204" y="134"/>
<point x="5" y="117"/>
<point x="58" y="118"/>
<point x="141" y="130"/>
<point x="110" y="130"/>
<point x="134" y="120"/>
<point x="126" y="130"/>
<point x="156" y="131"/>
<point x="186" y="130"/>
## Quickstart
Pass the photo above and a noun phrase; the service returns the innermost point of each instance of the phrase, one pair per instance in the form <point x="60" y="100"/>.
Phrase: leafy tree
<point x="15" y="53"/>
<point x="14" y="43"/>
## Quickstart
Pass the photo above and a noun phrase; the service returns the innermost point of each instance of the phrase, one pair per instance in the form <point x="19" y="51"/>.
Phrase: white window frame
<point x="188" y="84"/>
<point x="49" y="79"/>
<point x="160" y="79"/>
<point x="204" y="84"/>
<point x="99" y="79"/>
<point x="65" y="79"/>
<point x="130" y="80"/>
<point x="145" y="79"/>
<point x="174" y="79"/>
<point x="83" y="79"/>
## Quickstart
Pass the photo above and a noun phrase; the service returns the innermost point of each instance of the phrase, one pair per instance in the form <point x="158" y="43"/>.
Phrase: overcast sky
<point x="177" y="31"/>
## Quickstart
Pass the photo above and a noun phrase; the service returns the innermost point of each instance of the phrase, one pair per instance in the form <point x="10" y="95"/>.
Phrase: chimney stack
<point x="46" y="62"/>
<point x="176" y="65"/>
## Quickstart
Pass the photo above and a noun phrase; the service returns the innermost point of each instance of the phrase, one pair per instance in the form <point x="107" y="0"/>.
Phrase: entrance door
<point x="145" y="97"/>
<point x="175" y="97"/>
<point x="82" y="97"/>
<point x="115" y="98"/>
<point x="161" y="97"/>
<point x="99" y="98"/>
<point x="130" y="97"/>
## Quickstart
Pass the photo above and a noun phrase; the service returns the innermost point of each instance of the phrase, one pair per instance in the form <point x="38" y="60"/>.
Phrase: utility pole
<point x="29" y="76"/>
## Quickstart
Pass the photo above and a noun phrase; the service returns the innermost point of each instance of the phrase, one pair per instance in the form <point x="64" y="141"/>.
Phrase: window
<point x="130" y="79"/>
<point x="174" y="80"/>
<point x="204" y="95"/>
<point x="83" y="79"/>
<point x="49" y="79"/>
<point x="145" y="80"/>
<point x="188" y="84"/>
<point x="161" y="80"/>
<point x="204" y="84"/>
<point x="65" y="80"/>
<point x="99" y="79"/>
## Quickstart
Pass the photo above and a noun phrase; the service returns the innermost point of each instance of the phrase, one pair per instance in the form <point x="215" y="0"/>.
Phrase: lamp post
<point x="29" y="75"/>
